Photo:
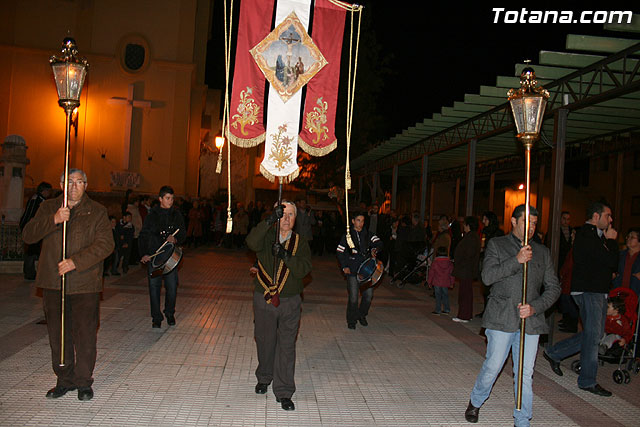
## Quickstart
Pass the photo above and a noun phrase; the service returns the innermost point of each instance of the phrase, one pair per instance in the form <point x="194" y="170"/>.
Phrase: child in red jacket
<point x="441" y="279"/>
<point x="618" y="329"/>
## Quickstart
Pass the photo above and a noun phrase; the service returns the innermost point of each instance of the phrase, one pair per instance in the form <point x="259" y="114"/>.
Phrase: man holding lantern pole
<point x="502" y="271"/>
<point x="89" y="242"/>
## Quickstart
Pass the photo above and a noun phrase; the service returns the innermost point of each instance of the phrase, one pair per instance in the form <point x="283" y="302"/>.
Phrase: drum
<point x="167" y="258"/>
<point x="370" y="270"/>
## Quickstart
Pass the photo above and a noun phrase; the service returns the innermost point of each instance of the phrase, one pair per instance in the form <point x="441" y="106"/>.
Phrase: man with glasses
<point x="277" y="303"/>
<point x="89" y="241"/>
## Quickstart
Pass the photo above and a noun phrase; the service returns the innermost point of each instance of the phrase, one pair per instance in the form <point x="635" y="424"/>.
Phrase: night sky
<point x="430" y="56"/>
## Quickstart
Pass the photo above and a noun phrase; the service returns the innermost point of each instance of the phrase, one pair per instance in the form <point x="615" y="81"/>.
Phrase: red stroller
<point x="627" y="356"/>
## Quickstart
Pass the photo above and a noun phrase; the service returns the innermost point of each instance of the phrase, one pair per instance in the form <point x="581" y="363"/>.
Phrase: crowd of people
<point x="459" y="252"/>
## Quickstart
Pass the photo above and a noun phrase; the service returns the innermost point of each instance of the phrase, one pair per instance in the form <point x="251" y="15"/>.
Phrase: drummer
<point x="366" y="245"/>
<point x="164" y="223"/>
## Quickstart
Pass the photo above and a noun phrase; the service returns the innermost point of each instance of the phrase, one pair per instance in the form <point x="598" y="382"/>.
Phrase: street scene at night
<point x="318" y="213"/>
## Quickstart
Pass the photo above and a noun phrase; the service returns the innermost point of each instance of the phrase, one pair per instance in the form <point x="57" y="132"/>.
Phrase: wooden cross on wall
<point x="130" y="102"/>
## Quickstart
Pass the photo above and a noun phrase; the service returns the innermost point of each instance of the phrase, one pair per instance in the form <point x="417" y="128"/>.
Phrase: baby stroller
<point x="415" y="269"/>
<point x="626" y="360"/>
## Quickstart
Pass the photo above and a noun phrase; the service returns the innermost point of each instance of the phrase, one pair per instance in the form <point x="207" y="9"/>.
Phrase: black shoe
<point x="596" y="389"/>
<point x="351" y="325"/>
<point x="436" y="313"/>
<point x="85" y="393"/>
<point x="471" y="414"/>
<point x="287" y="404"/>
<point x="363" y="321"/>
<point x="125" y="271"/>
<point x="555" y="366"/>
<point x="261" y="388"/>
<point x="171" y="320"/>
<point x="58" y="391"/>
<point x="156" y="325"/>
<point x="115" y="273"/>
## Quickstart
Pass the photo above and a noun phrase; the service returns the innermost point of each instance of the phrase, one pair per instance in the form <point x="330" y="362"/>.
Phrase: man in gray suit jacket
<point x="502" y="271"/>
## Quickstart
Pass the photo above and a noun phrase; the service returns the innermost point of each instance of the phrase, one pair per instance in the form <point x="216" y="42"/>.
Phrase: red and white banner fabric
<point x="317" y="136"/>
<point x="247" y="99"/>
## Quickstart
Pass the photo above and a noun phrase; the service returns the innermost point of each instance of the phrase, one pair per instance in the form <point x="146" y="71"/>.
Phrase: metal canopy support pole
<point x="457" y="202"/>
<point x="394" y="187"/>
<point x="374" y="191"/>
<point x="557" y="178"/>
<point x="471" y="176"/>
<point x="423" y="186"/>
<point x="559" y="136"/>
<point x="492" y="187"/>
<point x="431" y="201"/>
<point x="617" y="213"/>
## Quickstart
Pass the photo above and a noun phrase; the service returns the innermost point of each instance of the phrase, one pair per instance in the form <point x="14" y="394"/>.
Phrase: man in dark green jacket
<point x="277" y="305"/>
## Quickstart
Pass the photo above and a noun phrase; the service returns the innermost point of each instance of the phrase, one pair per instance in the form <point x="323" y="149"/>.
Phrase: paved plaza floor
<point x="407" y="368"/>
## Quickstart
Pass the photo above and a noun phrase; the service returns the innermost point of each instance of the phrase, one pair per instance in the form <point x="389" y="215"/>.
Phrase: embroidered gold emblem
<point x="247" y="111"/>
<point x="281" y="149"/>
<point x="316" y="119"/>
<point x="288" y="57"/>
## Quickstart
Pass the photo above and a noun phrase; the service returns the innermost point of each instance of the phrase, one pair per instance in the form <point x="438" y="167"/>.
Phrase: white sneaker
<point x="459" y="320"/>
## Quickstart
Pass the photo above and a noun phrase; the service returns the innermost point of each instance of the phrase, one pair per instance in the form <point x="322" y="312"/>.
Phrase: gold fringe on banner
<point x="245" y="143"/>
<point x="315" y="151"/>
<point x="284" y="179"/>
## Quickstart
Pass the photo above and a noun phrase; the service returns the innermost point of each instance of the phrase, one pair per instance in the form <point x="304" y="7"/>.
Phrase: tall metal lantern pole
<point x="69" y="72"/>
<point x="527" y="104"/>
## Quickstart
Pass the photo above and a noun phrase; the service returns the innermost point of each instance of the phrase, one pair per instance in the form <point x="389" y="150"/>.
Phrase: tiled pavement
<point x="408" y="367"/>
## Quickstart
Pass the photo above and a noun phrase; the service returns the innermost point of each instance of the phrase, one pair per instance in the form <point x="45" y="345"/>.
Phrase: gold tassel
<point x="350" y="240"/>
<point x="229" y="222"/>
<point x="219" y="165"/>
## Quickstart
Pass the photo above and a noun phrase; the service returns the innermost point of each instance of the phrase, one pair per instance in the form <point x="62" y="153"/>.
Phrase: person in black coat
<point x="160" y="225"/>
<point x="33" y="251"/>
<point x="350" y="260"/>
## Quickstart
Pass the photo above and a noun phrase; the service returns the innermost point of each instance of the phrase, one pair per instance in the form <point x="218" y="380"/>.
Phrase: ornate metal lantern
<point x="528" y="104"/>
<point x="69" y="72"/>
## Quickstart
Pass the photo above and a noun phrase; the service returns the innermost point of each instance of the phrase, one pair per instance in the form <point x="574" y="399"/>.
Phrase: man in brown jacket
<point x="89" y="242"/>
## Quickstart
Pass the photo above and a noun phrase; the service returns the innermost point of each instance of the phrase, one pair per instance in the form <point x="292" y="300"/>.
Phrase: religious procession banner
<point x="318" y="129"/>
<point x="289" y="59"/>
<point x="247" y="99"/>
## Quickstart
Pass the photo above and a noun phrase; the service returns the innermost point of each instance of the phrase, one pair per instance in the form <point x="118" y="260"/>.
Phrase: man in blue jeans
<point x="160" y="225"/>
<point x="595" y="258"/>
<point x="365" y="244"/>
<point x="502" y="270"/>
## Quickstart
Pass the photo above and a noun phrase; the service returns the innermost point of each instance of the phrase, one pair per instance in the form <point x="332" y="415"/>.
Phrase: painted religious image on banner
<point x="288" y="57"/>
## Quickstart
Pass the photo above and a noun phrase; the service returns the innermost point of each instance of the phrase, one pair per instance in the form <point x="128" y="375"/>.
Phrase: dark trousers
<point x="465" y="299"/>
<point x="275" y="332"/>
<point x="82" y="314"/>
<point x="31" y="254"/>
<point x="171" y="290"/>
<point x="125" y="254"/>
<point x="353" y="311"/>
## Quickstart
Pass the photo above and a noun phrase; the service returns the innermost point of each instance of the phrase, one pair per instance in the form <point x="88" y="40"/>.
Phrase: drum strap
<point x="272" y="290"/>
